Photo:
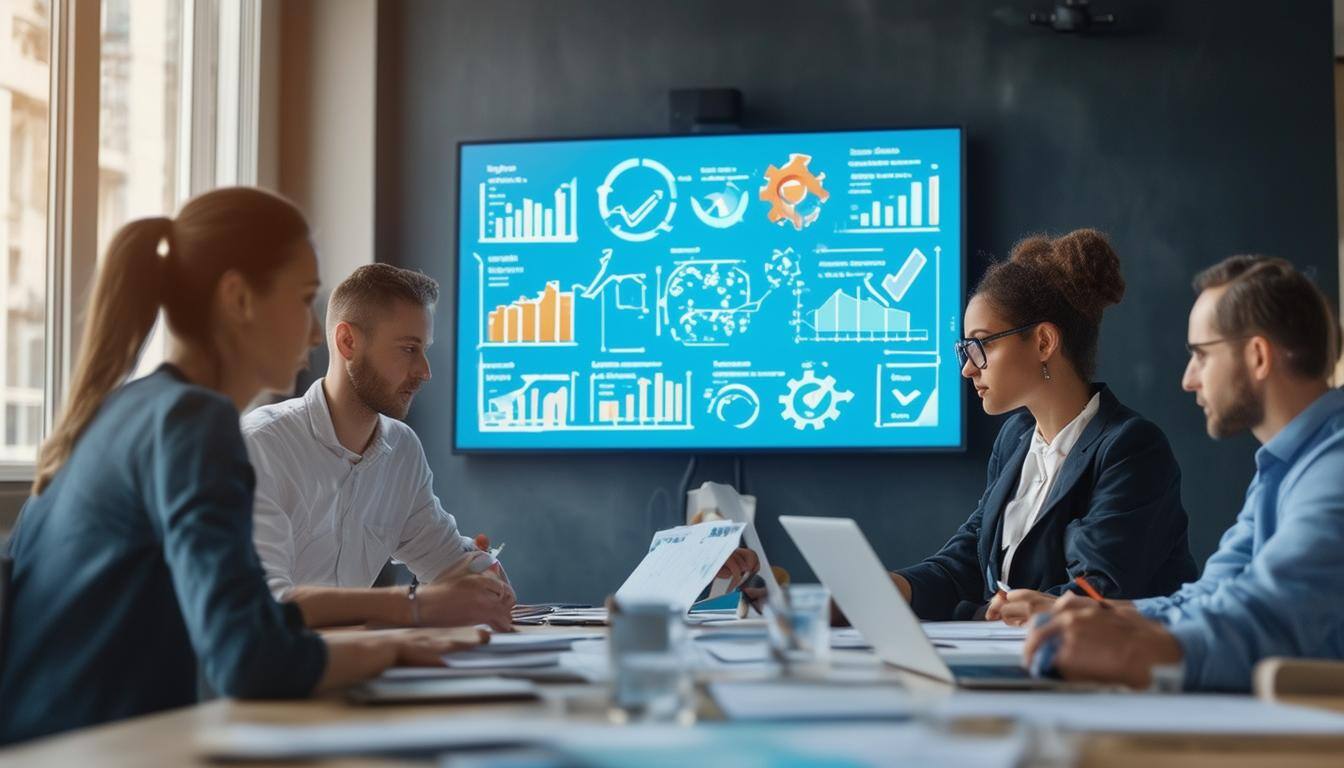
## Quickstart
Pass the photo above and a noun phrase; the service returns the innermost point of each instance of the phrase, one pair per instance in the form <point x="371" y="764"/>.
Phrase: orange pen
<point x="1089" y="589"/>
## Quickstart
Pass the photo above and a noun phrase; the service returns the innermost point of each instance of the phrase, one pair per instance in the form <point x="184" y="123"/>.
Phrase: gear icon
<point x="786" y="188"/>
<point x="803" y="404"/>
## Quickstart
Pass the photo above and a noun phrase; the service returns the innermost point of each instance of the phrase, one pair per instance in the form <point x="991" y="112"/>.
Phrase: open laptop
<point x="845" y="562"/>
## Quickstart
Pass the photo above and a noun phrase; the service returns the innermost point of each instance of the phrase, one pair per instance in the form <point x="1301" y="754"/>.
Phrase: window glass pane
<point x="140" y="92"/>
<point x="25" y="59"/>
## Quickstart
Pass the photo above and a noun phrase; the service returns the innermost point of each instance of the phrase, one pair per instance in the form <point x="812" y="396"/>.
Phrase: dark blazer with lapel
<point x="1114" y="514"/>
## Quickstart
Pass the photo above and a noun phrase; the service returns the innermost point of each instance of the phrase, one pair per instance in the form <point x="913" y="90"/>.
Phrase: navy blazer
<point x="1114" y="514"/>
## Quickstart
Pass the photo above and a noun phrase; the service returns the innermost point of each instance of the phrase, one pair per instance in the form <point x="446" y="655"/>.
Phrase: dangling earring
<point x="1045" y="372"/>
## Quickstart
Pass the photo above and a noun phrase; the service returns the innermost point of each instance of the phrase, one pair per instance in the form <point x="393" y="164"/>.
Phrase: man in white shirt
<point x="343" y="484"/>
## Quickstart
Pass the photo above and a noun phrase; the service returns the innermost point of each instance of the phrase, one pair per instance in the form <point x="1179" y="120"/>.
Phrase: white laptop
<point x="845" y="562"/>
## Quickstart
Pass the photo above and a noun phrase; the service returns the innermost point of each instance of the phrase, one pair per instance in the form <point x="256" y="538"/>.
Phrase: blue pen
<point x="1043" y="661"/>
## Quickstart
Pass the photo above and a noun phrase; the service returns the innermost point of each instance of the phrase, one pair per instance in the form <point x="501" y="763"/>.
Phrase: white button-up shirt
<point x="1038" y="476"/>
<point x="326" y="516"/>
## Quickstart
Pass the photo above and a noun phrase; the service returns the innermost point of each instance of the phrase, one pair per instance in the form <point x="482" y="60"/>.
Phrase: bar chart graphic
<point x="639" y="401"/>
<point x="845" y="317"/>
<point x="543" y="402"/>
<point x="545" y="319"/>
<point x="916" y="209"/>
<point x="632" y="293"/>
<point x="529" y="221"/>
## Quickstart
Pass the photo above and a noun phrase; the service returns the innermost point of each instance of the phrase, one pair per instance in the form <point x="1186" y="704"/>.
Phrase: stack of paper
<point x="577" y="617"/>
<point x="472" y="689"/>
<point x="535" y="642"/>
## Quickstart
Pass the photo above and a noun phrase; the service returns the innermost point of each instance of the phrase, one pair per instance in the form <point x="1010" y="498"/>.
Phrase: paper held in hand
<point x="680" y="562"/>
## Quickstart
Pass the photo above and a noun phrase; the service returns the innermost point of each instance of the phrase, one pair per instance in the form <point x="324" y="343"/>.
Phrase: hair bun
<point x="1081" y="265"/>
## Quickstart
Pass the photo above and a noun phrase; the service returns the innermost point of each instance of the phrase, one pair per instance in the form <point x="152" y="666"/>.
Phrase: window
<point x="25" y="48"/>
<point x="138" y="112"/>
<point x="139" y="122"/>
<point x="175" y="81"/>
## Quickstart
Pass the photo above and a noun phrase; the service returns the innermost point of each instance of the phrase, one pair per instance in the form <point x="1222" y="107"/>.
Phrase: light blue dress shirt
<point x="1275" y="587"/>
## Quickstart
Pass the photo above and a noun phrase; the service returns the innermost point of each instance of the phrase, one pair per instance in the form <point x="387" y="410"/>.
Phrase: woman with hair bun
<point x="1078" y="484"/>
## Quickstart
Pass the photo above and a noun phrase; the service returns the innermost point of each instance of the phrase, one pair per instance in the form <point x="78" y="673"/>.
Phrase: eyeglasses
<point x="973" y="349"/>
<point x="1198" y="346"/>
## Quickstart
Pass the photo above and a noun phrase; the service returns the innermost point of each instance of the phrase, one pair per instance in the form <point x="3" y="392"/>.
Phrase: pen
<point x="1089" y="589"/>
<point x="1003" y="587"/>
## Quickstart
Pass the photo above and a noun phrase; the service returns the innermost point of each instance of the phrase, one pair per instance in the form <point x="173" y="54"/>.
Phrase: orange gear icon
<point x="785" y="188"/>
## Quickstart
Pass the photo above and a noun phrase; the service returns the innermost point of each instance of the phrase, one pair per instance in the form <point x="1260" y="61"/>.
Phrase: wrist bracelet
<point x="415" y="604"/>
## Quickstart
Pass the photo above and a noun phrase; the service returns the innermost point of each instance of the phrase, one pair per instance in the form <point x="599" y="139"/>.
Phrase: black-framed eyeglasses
<point x="1198" y="349"/>
<point x="1199" y="346"/>
<point x="973" y="349"/>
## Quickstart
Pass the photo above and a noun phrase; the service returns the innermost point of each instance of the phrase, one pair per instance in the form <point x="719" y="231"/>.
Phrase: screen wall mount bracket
<point x="704" y="110"/>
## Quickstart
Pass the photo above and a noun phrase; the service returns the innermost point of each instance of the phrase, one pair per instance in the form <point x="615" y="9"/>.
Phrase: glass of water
<point x="648" y="653"/>
<point x="799" y="628"/>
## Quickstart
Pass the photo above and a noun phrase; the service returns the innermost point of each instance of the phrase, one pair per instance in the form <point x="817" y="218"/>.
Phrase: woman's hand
<point x="1016" y="608"/>
<point x="426" y="647"/>
<point x="356" y="656"/>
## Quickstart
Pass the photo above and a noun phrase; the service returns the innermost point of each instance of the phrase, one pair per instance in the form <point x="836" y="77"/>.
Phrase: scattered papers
<point x="761" y="745"/>
<point x="772" y="745"/>
<point x="471" y="660"/>
<point x="1147" y="713"/>
<point x="972" y="630"/>
<point x="679" y="563"/>
<point x="291" y="742"/>
<point x="849" y="638"/>
<point x="803" y="701"/>
<point x="699" y="620"/>
<point x="737" y="651"/>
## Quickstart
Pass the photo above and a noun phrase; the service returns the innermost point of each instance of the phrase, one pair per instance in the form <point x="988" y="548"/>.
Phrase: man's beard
<point x="374" y="392"/>
<point x="1242" y="412"/>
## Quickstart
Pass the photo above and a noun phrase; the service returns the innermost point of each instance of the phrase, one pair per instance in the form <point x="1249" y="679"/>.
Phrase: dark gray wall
<point x="1206" y="129"/>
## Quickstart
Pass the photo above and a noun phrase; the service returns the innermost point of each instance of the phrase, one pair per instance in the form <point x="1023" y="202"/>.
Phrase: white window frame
<point x="220" y="86"/>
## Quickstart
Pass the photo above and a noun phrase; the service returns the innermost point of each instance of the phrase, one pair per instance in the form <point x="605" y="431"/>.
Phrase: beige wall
<point x="326" y="100"/>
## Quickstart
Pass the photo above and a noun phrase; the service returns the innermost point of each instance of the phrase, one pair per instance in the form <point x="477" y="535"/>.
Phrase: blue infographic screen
<point x="743" y="292"/>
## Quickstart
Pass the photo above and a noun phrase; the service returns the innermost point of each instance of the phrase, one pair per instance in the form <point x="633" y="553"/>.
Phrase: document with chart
<point x="680" y="563"/>
<point x="730" y="292"/>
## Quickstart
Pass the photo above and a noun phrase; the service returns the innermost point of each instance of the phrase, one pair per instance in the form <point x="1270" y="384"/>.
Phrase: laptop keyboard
<point x="1000" y="671"/>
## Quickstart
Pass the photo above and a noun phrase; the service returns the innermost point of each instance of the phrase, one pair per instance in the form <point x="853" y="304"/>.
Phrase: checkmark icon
<point x="903" y="398"/>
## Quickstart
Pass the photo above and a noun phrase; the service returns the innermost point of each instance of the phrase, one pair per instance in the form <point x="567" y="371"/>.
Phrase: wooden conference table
<point x="169" y="739"/>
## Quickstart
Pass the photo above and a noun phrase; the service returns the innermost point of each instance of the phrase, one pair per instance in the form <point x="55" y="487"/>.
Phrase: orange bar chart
<point x="547" y="318"/>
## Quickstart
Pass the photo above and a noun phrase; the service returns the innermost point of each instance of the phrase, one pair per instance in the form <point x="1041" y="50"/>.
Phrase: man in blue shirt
<point x="1263" y="343"/>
